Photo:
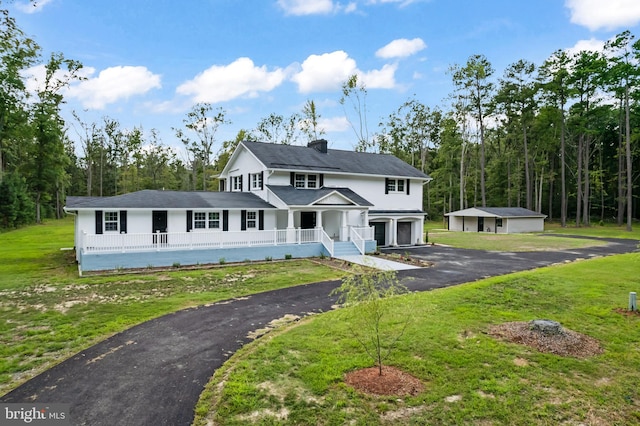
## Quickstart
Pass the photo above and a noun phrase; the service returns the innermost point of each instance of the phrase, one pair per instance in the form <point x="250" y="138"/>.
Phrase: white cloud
<point x="325" y="72"/>
<point x="599" y="14"/>
<point x="307" y="7"/>
<point x="591" y="45"/>
<point x="402" y="3"/>
<point x="334" y="124"/>
<point x="401" y="48"/>
<point x="32" y="7"/>
<point x="329" y="71"/>
<point x="226" y="82"/>
<point x="380" y="79"/>
<point x="113" y="84"/>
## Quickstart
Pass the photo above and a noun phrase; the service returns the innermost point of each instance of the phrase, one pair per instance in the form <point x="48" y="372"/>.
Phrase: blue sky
<point x="147" y="62"/>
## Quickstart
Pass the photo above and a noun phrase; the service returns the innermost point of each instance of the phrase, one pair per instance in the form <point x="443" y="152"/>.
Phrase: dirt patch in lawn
<point x="392" y="382"/>
<point x="566" y="343"/>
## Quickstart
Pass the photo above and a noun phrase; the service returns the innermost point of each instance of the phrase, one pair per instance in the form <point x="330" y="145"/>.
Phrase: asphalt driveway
<point x="153" y="373"/>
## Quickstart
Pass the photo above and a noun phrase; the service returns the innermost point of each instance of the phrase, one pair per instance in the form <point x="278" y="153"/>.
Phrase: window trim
<point x="302" y="181"/>
<point x="236" y="183"/>
<point x="256" y="181"/>
<point x="252" y="223"/>
<point x="109" y="221"/>
<point x="203" y="219"/>
<point x="395" y="186"/>
<point x="211" y="220"/>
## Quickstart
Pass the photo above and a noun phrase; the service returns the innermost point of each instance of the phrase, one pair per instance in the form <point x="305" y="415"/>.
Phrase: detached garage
<point x="498" y="220"/>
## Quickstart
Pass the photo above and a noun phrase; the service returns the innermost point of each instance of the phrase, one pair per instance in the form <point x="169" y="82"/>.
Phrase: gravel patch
<point x="565" y="343"/>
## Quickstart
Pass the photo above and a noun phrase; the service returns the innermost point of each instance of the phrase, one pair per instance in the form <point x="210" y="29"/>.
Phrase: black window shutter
<point x="262" y="179"/>
<point x="292" y="178"/>
<point x="225" y="220"/>
<point x="189" y="220"/>
<point x="321" y="183"/>
<point x="386" y="185"/>
<point x="221" y="183"/>
<point x="261" y="220"/>
<point x="243" y="220"/>
<point x="240" y="182"/>
<point x="123" y="221"/>
<point x="98" y="221"/>
<point x="408" y="180"/>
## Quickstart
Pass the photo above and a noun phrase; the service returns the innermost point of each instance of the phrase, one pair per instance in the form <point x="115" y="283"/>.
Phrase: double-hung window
<point x="214" y="220"/>
<point x="236" y="183"/>
<point x="252" y="221"/>
<point x="111" y="221"/>
<point x="256" y="181"/>
<point x="199" y="220"/>
<point x="312" y="181"/>
<point x="301" y="180"/>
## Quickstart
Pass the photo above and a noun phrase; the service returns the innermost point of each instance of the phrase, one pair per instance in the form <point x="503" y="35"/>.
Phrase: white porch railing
<point x="358" y="235"/>
<point x="327" y="242"/>
<point x="196" y="240"/>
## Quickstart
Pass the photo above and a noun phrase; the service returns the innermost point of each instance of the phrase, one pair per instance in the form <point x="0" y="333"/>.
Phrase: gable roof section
<point x="500" y="212"/>
<point x="154" y="199"/>
<point x="294" y="157"/>
<point x="306" y="197"/>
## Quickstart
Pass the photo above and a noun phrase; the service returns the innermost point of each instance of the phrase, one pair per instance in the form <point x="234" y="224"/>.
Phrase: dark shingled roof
<point x="303" y="197"/>
<point x="502" y="212"/>
<point x="510" y="212"/>
<point x="292" y="157"/>
<point x="154" y="199"/>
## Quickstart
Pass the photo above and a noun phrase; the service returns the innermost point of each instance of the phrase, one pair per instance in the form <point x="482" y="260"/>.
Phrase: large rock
<point x="546" y="327"/>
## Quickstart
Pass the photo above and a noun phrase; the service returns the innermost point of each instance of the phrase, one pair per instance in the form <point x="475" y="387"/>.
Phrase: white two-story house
<point x="275" y="201"/>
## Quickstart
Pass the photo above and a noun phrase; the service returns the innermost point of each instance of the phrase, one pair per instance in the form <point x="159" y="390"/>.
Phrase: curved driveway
<point x="153" y="373"/>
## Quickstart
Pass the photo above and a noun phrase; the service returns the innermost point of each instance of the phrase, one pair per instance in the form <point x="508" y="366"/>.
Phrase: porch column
<point x="394" y="232"/>
<point x="365" y="218"/>
<point x="319" y="219"/>
<point x="344" y="229"/>
<point x="291" y="230"/>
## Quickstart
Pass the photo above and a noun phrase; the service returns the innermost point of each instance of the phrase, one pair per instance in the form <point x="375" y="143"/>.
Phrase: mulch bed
<point x="567" y="343"/>
<point x="392" y="382"/>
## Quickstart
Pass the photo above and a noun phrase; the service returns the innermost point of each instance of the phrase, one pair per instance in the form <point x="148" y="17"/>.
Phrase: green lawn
<point x="295" y="376"/>
<point x="48" y="313"/>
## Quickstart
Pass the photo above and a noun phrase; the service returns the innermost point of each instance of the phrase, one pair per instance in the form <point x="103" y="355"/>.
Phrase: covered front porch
<point x="146" y="250"/>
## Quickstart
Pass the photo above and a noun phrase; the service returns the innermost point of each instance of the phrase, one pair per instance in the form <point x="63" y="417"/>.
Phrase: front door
<point x="159" y="226"/>
<point x="307" y="220"/>
<point x="404" y="233"/>
<point x="480" y="224"/>
<point x="380" y="233"/>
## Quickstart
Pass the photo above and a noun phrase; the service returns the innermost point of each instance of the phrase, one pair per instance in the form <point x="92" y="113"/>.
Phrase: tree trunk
<point x="579" y="182"/>
<point x="621" y="197"/>
<point x="628" y="155"/>
<point x="586" y="203"/>
<point x="527" y="173"/>
<point x="462" y="174"/>
<point x="563" y="178"/>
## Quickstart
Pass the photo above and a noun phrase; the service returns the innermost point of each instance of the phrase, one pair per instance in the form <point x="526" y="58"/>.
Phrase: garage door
<point x="404" y="233"/>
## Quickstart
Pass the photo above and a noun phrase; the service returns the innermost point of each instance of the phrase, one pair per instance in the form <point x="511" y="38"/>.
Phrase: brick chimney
<point x="319" y="145"/>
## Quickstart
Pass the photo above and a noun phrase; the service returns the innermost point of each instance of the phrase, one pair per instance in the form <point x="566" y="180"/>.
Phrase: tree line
<point x="559" y="137"/>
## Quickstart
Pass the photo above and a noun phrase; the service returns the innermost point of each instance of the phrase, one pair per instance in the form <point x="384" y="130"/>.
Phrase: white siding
<point x="524" y="224"/>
